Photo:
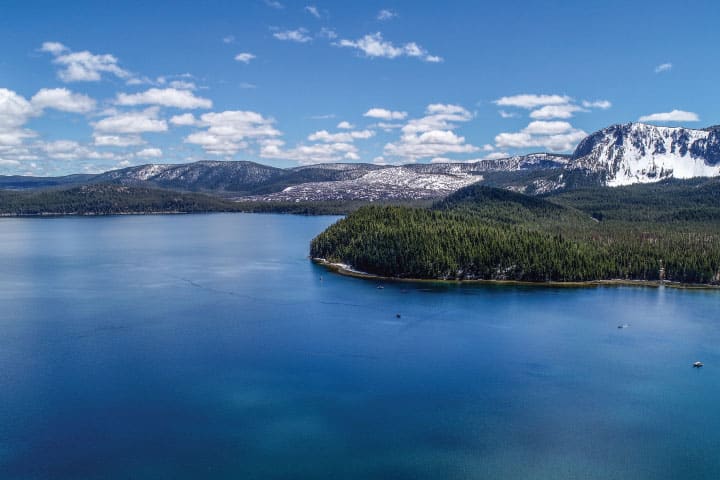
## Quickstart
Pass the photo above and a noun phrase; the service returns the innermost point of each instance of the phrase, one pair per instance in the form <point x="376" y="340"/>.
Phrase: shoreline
<point x="346" y="270"/>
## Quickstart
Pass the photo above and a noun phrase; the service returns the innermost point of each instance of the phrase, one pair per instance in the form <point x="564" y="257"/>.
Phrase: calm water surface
<point x="208" y="346"/>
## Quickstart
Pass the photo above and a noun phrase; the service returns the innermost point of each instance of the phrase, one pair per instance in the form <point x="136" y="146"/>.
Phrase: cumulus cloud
<point x="56" y="48"/>
<point x="186" y="119"/>
<point x="150" y="153"/>
<point x="672" y="116"/>
<point x="15" y="111"/>
<point x="345" y="125"/>
<point x="183" y="85"/>
<point x="244" y="57"/>
<point x="83" y="66"/>
<point x="384" y="114"/>
<point x="299" y="35"/>
<point x="228" y="132"/>
<point x="72" y="150"/>
<point x="62" y="99"/>
<point x="432" y="135"/>
<point x="310" y="154"/>
<point x="166" y="97"/>
<point x="532" y="101"/>
<point x="663" y="67"/>
<point x="340" y="137"/>
<point x="373" y="45"/>
<point x="386" y="14"/>
<point x="556" y="136"/>
<point x="556" y="111"/>
<point x="132" y="122"/>
<point x="495" y="156"/>
<point x="505" y="114"/>
<point x="101" y="140"/>
<point x="274" y="4"/>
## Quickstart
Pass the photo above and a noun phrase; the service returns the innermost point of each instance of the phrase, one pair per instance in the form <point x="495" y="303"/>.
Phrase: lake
<point x="209" y="346"/>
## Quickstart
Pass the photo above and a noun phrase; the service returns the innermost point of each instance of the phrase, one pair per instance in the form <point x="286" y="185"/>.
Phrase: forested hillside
<point x="107" y="200"/>
<point x="638" y="233"/>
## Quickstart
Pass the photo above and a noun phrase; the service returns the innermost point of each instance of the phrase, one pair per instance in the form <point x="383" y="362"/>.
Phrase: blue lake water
<point x="208" y="346"/>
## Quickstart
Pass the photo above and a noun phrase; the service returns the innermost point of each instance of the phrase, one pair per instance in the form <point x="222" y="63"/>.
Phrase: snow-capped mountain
<point x="616" y="155"/>
<point x="640" y="153"/>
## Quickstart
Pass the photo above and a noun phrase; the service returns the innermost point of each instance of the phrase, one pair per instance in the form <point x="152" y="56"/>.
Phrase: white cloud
<point x="384" y="114"/>
<point x="228" y="39"/>
<point x="313" y="10"/>
<point x="83" y="66"/>
<point x="601" y="104"/>
<point x="496" y="156"/>
<point x="56" y="48"/>
<point x="432" y="135"/>
<point x="183" y="85"/>
<point x="328" y="33"/>
<point x="72" y="150"/>
<point x="340" y="137"/>
<point x="324" y="116"/>
<point x="372" y="45"/>
<point x="274" y="4"/>
<point x="547" y="128"/>
<point x="505" y="114"/>
<point x="663" y="67"/>
<point x="247" y="85"/>
<point x="345" y="125"/>
<point x="150" y="153"/>
<point x="299" y="35"/>
<point x="310" y="154"/>
<point x="132" y="122"/>
<point x="101" y="140"/>
<point x="62" y="99"/>
<point x="244" y="57"/>
<point x="386" y="14"/>
<point x="531" y="101"/>
<point x="166" y="97"/>
<point x="228" y="132"/>
<point x="673" y="116"/>
<point x="555" y="136"/>
<point x="555" y="111"/>
<point x="186" y="119"/>
<point x="15" y="111"/>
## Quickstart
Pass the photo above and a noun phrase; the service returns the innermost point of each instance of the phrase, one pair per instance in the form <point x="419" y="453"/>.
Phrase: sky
<point x="89" y="86"/>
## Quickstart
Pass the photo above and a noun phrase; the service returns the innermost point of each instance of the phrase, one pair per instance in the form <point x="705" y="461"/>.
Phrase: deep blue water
<point x="207" y="346"/>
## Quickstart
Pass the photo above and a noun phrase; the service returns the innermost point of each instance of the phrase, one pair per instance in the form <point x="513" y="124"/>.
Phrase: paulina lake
<point x="209" y="346"/>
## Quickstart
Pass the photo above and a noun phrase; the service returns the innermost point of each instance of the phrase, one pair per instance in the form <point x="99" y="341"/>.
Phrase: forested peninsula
<point x="664" y="231"/>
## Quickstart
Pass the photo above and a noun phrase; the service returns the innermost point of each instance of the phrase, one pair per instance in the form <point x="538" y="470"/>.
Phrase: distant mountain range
<point x="617" y="155"/>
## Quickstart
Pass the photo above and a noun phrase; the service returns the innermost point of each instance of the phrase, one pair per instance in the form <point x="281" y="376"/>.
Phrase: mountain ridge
<point x="620" y="154"/>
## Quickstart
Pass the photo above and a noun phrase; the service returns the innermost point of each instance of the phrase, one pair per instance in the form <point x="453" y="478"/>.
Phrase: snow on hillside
<point x="640" y="153"/>
<point x="388" y="183"/>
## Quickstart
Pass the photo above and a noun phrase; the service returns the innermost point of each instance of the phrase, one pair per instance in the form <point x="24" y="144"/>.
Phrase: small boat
<point x="379" y="287"/>
<point x="697" y="364"/>
<point x="624" y="325"/>
<point x="397" y="315"/>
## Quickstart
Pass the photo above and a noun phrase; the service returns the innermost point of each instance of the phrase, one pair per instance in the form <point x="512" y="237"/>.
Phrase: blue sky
<point x="90" y="86"/>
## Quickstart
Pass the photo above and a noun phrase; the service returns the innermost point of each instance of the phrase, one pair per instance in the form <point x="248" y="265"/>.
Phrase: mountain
<point x="640" y="153"/>
<point x="22" y="182"/>
<point x="617" y="155"/>
<point x="390" y="183"/>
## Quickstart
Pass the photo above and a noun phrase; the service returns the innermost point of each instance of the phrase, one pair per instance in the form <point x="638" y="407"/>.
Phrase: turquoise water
<point x="208" y="346"/>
